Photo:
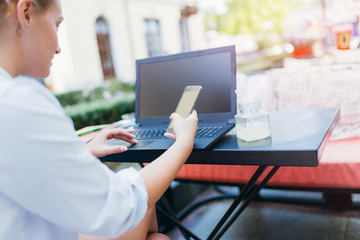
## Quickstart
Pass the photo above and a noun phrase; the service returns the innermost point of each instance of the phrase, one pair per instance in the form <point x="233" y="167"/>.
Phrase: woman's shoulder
<point x="26" y="90"/>
<point x="27" y="104"/>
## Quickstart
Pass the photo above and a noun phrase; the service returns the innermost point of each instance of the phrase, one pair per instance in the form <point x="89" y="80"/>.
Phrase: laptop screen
<point x="161" y="81"/>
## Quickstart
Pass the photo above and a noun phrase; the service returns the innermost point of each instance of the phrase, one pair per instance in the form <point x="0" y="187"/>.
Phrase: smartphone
<point x="186" y="103"/>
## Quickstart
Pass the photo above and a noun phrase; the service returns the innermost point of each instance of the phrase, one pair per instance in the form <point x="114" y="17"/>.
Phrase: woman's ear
<point x="24" y="13"/>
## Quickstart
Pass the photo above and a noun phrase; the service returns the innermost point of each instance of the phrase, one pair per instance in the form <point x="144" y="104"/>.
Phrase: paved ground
<point x="280" y="221"/>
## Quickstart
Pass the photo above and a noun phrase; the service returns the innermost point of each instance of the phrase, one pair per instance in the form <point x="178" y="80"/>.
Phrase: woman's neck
<point x="10" y="57"/>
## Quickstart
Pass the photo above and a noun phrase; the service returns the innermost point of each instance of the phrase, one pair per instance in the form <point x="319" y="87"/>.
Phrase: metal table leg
<point x="246" y="203"/>
<point x="237" y="201"/>
<point x="171" y="215"/>
<point x="183" y="229"/>
<point x="248" y="193"/>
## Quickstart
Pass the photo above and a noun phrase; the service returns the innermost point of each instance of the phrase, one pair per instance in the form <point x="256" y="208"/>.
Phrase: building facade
<point x="101" y="39"/>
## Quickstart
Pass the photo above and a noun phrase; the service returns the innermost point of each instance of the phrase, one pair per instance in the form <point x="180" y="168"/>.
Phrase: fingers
<point x="107" y="150"/>
<point x="181" y="125"/>
<point x="170" y="136"/>
<point x="193" y="115"/>
<point x="99" y="145"/>
<point x="120" y="133"/>
<point x="175" y="115"/>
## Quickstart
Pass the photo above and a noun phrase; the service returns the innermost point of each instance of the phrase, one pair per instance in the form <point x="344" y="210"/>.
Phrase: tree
<point x="251" y="16"/>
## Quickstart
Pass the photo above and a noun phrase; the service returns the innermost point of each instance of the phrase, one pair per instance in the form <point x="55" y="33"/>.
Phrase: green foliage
<point x="70" y="98"/>
<point x="248" y="16"/>
<point x="100" y="105"/>
<point x="111" y="87"/>
<point x="100" y="111"/>
<point x="116" y="86"/>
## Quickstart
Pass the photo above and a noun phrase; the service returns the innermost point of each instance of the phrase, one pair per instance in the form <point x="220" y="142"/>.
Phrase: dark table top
<point x="298" y="138"/>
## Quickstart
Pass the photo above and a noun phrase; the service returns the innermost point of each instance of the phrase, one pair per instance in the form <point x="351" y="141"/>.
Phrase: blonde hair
<point x="8" y="6"/>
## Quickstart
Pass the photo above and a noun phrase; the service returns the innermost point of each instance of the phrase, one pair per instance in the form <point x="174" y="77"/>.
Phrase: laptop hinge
<point x="231" y="121"/>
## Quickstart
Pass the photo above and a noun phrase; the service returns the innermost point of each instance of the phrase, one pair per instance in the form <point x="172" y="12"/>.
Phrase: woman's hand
<point x="184" y="128"/>
<point x="99" y="147"/>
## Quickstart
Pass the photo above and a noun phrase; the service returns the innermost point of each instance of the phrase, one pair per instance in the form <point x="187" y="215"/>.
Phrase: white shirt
<point x="51" y="186"/>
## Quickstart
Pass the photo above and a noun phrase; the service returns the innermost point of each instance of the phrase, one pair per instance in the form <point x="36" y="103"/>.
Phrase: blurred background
<point x="101" y="39"/>
<point x="304" y="40"/>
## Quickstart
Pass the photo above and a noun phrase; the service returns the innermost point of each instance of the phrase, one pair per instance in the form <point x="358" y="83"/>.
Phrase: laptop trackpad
<point x="143" y="143"/>
<point x="127" y="144"/>
<point x="114" y="141"/>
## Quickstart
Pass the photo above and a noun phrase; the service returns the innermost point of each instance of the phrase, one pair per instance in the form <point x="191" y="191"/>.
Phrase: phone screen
<point x="186" y="103"/>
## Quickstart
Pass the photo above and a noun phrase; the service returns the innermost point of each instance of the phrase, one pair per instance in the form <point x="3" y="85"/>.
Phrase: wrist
<point x="185" y="144"/>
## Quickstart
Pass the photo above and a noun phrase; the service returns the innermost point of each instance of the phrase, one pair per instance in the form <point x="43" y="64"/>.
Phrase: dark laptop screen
<point x="161" y="81"/>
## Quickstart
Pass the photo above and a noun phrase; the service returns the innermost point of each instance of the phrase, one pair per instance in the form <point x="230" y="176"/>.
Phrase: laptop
<point x="160" y="82"/>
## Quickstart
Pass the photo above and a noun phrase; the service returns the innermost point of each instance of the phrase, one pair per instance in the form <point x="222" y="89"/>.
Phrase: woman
<point x="52" y="186"/>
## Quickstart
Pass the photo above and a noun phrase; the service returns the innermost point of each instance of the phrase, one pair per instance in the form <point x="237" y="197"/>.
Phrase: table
<point x="298" y="138"/>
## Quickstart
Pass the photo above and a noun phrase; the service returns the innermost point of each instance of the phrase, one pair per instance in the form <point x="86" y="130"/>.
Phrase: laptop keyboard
<point x="207" y="132"/>
<point x="149" y="133"/>
<point x="202" y="132"/>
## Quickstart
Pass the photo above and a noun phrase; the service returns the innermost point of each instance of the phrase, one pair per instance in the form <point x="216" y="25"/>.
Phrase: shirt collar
<point x="4" y="73"/>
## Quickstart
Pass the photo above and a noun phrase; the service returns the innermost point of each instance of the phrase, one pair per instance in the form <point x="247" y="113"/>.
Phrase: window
<point x="153" y="37"/>
<point x="184" y="33"/>
<point x="185" y="13"/>
<point x="102" y="33"/>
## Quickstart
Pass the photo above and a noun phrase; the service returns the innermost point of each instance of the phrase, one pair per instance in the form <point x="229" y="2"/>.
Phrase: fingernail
<point x="123" y="148"/>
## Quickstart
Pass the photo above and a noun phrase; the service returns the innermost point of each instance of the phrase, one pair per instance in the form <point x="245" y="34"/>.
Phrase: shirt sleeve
<point x="50" y="172"/>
